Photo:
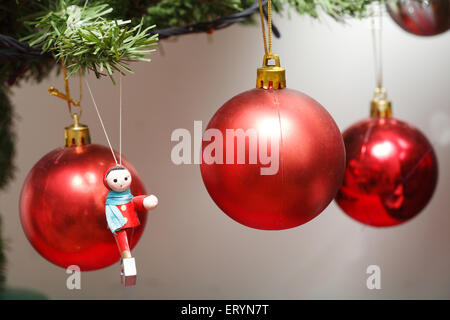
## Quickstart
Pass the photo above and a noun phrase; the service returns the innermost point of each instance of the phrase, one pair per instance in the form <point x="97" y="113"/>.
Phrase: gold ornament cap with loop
<point x="77" y="134"/>
<point x="380" y="106"/>
<point x="271" y="76"/>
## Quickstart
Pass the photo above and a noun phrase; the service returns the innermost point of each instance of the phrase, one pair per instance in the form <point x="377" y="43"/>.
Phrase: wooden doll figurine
<point x="120" y="210"/>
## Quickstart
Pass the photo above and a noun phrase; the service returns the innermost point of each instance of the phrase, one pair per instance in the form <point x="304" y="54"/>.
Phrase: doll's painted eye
<point x="126" y="178"/>
<point x="115" y="180"/>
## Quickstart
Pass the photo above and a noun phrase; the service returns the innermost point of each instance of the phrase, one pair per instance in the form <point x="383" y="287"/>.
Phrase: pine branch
<point x="2" y="260"/>
<point x="87" y="40"/>
<point x="6" y="165"/>
<point x="178" y="13"/>
<point x="6" y="138"/>
<point x="337" y="9"/>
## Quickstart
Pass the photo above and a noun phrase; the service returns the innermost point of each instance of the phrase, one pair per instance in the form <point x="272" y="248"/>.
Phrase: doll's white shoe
<point x="128" y="272"/>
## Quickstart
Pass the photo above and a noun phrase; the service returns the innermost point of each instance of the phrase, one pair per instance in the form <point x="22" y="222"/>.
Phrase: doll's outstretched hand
<point x="150" y="202"/>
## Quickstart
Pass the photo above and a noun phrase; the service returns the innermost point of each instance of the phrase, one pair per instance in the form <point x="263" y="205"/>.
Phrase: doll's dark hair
<point x="114" y="168"/>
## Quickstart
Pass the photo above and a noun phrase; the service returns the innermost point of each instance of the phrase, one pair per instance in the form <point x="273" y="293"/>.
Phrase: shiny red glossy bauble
<point x="311" y="160"/>
<point x="391" y="172"/>
<point x="62" y="207"/>
<point x="422" y="18"/>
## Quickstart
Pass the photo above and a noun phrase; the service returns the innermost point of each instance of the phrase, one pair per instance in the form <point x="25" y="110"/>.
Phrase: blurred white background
<point x="190" y="249"/>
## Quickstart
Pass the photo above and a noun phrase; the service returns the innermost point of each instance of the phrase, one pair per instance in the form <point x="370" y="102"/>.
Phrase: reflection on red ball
<point x="62" y="207"/>
<point x="391" y="172"/>
<point x="422" y="18"/>
<point x="311" y="160"/>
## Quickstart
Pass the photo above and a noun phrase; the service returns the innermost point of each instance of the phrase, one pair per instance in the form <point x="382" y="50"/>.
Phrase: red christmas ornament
<point x="62" y="205"/>
<point x="391" y="171"/>
<point x="311" y="156"/>
<point x="422" y="18"/>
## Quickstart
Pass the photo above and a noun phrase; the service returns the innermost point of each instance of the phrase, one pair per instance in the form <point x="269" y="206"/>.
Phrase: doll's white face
<point x="119" y="180"/>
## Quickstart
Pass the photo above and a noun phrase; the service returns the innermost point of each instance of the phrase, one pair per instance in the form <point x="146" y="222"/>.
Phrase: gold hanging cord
<point x="55" y="92"/>
<point x="269" y="76"/>
<point x="76" y="134"/>
<point x="380" y="106"/>
<point x="267" y="49"/>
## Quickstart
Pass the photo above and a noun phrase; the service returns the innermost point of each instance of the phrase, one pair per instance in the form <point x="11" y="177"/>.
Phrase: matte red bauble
<point x="311" y="159"/>
<point x="62" y="207"/>
<point x="391" y="172"/>
<point x="422" y="18"/>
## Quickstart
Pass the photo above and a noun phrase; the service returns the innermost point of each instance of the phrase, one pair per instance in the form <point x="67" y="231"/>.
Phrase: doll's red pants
<point x="122" y="237"/>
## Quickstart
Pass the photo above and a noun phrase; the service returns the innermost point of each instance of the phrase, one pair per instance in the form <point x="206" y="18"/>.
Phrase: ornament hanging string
<point x="101" y="122"/>
<point x="267" y="47"/>
<point x="377" y="36"/>
<point x="120" y="120"/>
<point x="377" y="39"/>
<point x="268" y="53"/>
<point x="66" y="96"/>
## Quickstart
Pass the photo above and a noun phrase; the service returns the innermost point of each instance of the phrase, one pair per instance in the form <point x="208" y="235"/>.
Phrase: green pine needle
<point x="86" y="40"/>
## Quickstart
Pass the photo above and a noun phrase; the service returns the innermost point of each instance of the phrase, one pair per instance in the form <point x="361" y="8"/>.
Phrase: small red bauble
<point x="391" y="172"/>
<point x="422" y="18"/>
<point x="62" y="207"/>
<point x="311" y="160"/>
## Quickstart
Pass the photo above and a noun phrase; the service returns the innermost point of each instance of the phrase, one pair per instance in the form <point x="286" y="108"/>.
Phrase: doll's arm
<point x="145" y="202"/>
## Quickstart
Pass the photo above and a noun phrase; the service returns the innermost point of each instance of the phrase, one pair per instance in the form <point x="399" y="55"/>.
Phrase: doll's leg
<point x="130" y="235"/>
<point x="127" y="263"/>
<point x="122" y="242"/>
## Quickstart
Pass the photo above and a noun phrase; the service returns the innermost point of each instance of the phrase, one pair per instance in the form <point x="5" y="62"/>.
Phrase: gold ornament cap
<point x="77" y="134"/>
<point x="271" y="76"/>
<point x="380" y="106"/>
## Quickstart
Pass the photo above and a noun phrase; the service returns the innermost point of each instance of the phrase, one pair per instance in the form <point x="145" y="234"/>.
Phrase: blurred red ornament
<point x="422" y="18"/>
<point x="62" y="207"/>
<point x="391" y="172"/>
<point x="311" y="159"/>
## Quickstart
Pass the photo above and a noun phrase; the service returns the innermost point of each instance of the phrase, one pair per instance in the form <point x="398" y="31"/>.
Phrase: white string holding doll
<point x="121" y="205"/>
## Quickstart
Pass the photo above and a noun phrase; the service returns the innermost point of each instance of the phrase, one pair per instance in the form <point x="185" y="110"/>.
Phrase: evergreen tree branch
<point x="6" y="164"/>
<point x="86" y="40"/>
<point x="6" y="138"/>
<point x="2" y="260"/>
